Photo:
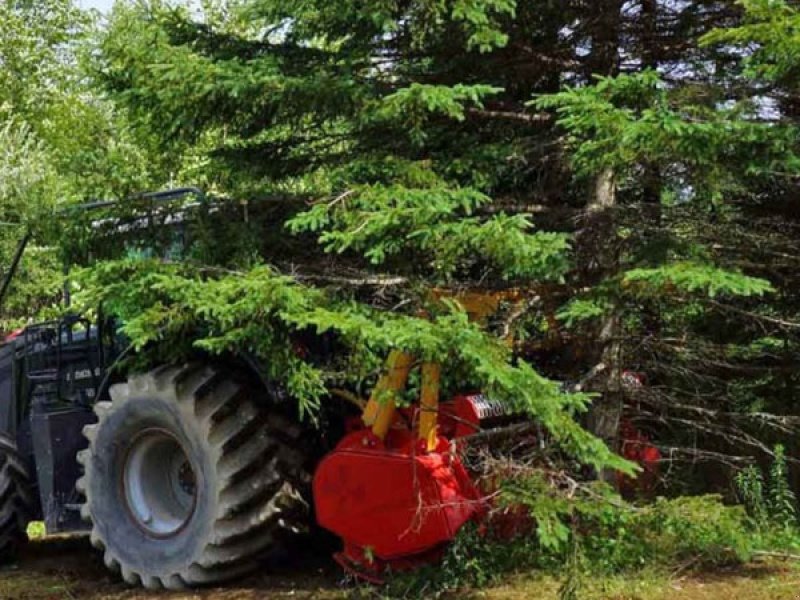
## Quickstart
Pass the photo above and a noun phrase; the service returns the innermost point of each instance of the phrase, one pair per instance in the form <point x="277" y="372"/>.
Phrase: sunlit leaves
<point x="768" y="40"/>
<point x="631" y="121"/>
<point x="693" y="278"/>
<point x="392" y="221"/>
<point x="417" y="103"/>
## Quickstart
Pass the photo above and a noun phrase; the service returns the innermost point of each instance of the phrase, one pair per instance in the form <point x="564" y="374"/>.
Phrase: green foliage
<point x="36" y="289"/>
<point x="29" y="188"/>
<point x="37" y="44"/>
<point x="607" y="539"/>
<point x="571" y="584"/>
<point x="759" y="347"/>
<point x="44" y="88"/>
<point x="29" y="185"/>
<point x="671" y="531"/>
<point x="693" y="278"/>
<point x="479" y="17"/>
<point x="60" y="142"/>
<point x="769" y="35"/>
<point x="472" y="560"/>
<point x="414" y="105"/>
<point x="394" y="136"/>
<point x="782" y="500"/>
<point x="625" y="122"/>
<point x="750" y="486"/>
<point x="258" y="312"/>
<point x="771" y="505"/>
<point x="394" y="221"/>
<point x="615" y="536"/>
<point x="579" y="310"/>
<point x="554" y="511"/>
<point x="232" y="314"/>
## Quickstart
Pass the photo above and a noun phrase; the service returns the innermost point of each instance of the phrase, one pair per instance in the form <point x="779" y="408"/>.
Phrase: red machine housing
<point x="393" y="502"/>
<point x="637" y="447"/>
<point x="468" y="414"/>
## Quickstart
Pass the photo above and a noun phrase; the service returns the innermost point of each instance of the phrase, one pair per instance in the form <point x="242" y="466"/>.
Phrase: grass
<point x="765" y="581"/>
<point x="21" y="586"/>
<point x="67" y="569"/>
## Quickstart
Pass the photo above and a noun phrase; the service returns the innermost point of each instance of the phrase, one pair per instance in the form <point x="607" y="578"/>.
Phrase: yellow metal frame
<point x="380" y="410"/>
<point x="480" y="305"/>
<point x="429" y="403"/>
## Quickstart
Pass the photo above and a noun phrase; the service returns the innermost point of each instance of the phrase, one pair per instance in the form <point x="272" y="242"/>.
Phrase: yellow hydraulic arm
<point x="379" y="411"/>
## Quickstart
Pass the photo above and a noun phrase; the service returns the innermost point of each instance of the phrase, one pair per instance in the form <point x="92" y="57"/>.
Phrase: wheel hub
<point x="159" y="483"/>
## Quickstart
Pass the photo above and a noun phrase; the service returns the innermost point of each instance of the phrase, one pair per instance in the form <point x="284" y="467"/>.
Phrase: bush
<point x="473" y="560"/>
<point x="586" y="529"/>
<point x="608" y="539"/>
<point x="669" y="532"/>
<point x="771" y="506"/>
<point x="614" y="536"/>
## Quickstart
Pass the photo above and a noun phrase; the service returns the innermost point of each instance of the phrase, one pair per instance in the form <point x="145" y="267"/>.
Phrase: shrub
<point x="772" y="505"/>
<point x="607" y="538"/>
<point x="473" y="560"/>
<point x="668" y="532"/>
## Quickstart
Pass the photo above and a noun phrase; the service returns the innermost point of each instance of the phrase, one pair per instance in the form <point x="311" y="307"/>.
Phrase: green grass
<point x="17" y="585"/>
<point x="775" y="581"/>
<point x="767" y="581"/>
<point x="65" y="568"/>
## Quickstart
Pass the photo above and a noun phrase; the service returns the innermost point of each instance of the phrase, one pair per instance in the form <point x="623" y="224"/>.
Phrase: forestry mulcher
<point x="193" y="474"/>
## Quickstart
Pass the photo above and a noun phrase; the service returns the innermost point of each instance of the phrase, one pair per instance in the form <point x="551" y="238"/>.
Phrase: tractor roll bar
<point x="162" y="196"/>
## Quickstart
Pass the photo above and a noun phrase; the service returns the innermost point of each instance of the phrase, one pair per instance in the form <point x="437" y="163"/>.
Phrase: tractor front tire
<point x="16" y="500"/>
<point x="189" y="480"/>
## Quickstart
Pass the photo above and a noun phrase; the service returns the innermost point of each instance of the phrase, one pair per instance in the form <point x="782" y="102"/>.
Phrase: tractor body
<point x="49" y="377"/>
<point x="189" y="474"/>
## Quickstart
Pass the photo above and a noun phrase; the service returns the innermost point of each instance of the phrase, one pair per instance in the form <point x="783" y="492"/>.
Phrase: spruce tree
<point x="596" y="155"/>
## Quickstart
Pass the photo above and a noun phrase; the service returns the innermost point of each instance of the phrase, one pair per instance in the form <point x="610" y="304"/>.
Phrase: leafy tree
<point x="626" y="172"/>
<point x="363" y="111"/>
<point x="612" y="155"/>
<point x="61" y="141"/>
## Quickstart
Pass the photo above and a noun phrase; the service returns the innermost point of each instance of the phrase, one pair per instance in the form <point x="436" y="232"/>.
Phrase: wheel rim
<point x="159" y="483"/>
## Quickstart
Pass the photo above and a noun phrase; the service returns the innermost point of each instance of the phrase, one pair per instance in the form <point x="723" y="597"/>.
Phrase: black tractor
<point x="196" y="471"/>
<point x="182" y="475"/>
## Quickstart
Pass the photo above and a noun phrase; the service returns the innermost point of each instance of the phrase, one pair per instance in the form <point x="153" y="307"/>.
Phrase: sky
<point x="101" y="5"/>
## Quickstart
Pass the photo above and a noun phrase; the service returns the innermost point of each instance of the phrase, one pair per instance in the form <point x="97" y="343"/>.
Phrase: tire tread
<point x="258" y="501"/>
<point x="16" y="499"/>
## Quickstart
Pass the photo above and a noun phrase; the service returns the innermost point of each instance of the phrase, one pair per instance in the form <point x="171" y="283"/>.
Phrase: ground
<point x="67" y="569"/>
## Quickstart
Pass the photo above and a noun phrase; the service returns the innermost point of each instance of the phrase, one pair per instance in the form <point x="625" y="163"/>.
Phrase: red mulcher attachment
<point x="395" y="490"/>
<point x="393" y="502"/>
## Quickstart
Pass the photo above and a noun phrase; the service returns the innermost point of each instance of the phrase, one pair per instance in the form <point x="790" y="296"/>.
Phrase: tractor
<point x="193" y="474"/>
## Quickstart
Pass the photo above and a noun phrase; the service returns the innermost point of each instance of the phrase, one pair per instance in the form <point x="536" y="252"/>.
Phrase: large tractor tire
<point x="189" y="480"/>
<point x="16" y="499"/>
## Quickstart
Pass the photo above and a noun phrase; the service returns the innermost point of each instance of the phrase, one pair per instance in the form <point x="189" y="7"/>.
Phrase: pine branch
<point x="755" y="316"/>
<point x="529" y="118"/>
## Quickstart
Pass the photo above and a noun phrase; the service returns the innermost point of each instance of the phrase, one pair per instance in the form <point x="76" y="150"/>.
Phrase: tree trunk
<point x="600" y="247"/>
<point x="606" y="411"/>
